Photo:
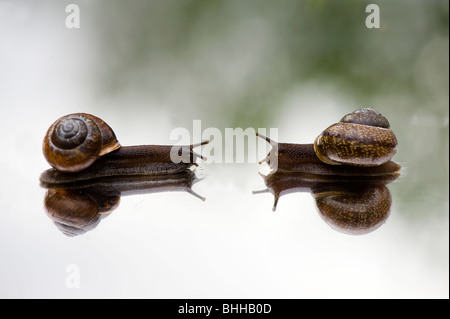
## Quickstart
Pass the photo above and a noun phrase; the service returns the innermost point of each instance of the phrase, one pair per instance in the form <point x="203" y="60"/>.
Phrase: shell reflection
<point x="352" y="205"/>
<point x="78" y="207"/>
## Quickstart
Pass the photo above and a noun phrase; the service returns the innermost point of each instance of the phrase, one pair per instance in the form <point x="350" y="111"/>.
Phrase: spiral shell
<point x="355" y="211"/>
<point x="361" y="138"/>
<point x="76" y="211"/>
<point x="76" y="140"/>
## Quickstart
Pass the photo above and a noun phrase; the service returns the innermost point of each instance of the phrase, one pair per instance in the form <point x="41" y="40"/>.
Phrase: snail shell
<point x="76" y="211"/>
<point x="75" y="141"/>
<point x="355" y="211"/>
<point x="361" y="138"/>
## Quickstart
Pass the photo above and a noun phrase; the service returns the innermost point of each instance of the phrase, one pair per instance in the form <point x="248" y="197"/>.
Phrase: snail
<point x="353" y="205"/>
<point x="362" y="143"/>
<point x="86" y="147"/>
<point x="78" y="207"/>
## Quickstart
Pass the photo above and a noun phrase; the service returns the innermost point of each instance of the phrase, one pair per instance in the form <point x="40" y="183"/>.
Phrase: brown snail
<point x="362" y="143"/>
<point x="86" y="147"/>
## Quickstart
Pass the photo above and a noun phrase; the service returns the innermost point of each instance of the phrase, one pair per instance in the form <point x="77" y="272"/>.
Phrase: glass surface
<point x="147" y="68"/>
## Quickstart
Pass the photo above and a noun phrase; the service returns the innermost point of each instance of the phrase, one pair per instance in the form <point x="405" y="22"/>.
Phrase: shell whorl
<point x="75" y="141"/>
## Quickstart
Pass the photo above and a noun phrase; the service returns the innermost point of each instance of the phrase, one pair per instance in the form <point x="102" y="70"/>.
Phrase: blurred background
<point x="147" y="67"/>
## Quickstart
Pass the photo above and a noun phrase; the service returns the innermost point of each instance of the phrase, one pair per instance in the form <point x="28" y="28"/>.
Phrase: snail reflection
<point x="78" y="207"/>
<point x="356" y="205"/>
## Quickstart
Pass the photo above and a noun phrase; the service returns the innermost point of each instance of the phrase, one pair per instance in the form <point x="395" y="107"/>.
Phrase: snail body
<point x="362" y="143"/>
<point x="86" y="147"/>
<point x="126" y="161"/>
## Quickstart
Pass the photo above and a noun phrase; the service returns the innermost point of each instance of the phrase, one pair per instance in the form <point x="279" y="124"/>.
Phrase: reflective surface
<point x="157" y="65"/>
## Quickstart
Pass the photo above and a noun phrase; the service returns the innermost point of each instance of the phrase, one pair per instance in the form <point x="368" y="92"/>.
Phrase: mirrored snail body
<point x="361" y="144"/>
<point x="78" y="207"/>
<point x="353" y="205"/>
<point x="81" y="146"/>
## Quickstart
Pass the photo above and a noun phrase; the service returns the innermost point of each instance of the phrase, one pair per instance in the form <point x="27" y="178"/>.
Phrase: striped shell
<point x="361" y="138"/>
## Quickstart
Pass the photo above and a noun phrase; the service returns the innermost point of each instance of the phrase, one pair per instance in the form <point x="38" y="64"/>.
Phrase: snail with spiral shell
<point x="362" y="143"/>
<point x="81" y="146"/>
